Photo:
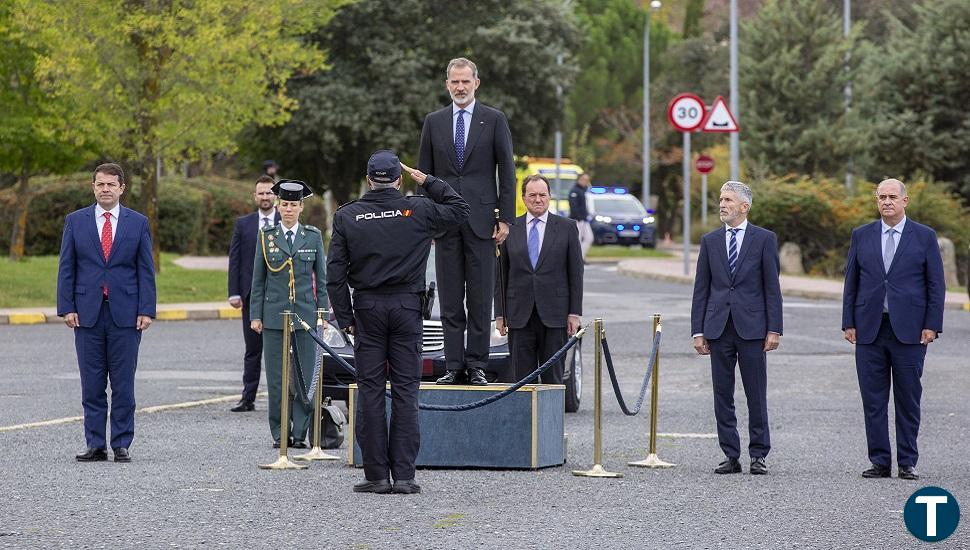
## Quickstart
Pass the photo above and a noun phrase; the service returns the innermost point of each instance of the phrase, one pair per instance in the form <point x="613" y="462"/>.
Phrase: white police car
<point x="619" y="218"/>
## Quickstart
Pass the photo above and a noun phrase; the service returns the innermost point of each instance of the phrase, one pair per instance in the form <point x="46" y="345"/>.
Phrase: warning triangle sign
<point x="719" y="118"/>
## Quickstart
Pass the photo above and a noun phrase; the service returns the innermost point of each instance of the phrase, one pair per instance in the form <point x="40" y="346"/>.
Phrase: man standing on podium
<point x="380" y="247"/>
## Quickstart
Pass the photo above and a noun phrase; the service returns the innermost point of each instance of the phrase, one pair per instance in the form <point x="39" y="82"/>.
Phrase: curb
<point x="39" y="318"/>
<point x="810" y="294"/>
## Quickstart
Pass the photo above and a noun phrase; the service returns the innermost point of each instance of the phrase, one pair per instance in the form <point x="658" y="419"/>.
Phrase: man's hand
<point x="501" y="232"/>
<point x="350" y="329"/>
<point x="572" y="325"/>
<point x="927" y="336"/>
<point x="700" y="344"/>
<point x="500" y="326"/>
<point x="256" y="325"/>
<point x="418" y="176"/>
<point x="235" y="302"/>
<point x="850" y="335"/>
<point x="70" y="319"/>
<point x="772" y="340"/>
<point x="143" y="322"/>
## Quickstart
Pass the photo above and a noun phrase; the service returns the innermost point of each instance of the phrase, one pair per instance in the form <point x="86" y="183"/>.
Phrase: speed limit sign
<point x="686" y="112"/>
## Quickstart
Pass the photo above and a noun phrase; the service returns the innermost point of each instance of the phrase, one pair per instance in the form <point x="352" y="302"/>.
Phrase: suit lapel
<point x="446" y="121"/>
<point x="747" y="243"/>
<point x="92" y="231"/>
<point x="552" y="231"/>
<point x="298" y="240"/>
<point x="721" y="251"/>
<point x="477" y="125"/>
<point x="904" y="239"/>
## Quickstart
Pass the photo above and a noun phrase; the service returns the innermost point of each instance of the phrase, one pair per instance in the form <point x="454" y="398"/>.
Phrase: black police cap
<point x="292" y="190"/>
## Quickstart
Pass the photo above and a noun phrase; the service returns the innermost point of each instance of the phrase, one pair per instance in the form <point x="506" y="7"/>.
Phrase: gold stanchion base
<point x="596" y="471"/>
<point x="652" y="461"/>
<point x="316" y="453"/>
<point x="282" y="463"/>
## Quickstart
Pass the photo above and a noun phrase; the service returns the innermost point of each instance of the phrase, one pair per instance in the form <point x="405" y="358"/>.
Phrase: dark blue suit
<point x="242" y="251"/>
<point x="107" y="339"/>
<point x="735" y="315"/>
<point x="888" y="349"/>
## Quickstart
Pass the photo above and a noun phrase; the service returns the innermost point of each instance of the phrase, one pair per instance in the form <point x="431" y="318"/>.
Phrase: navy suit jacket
<point x="752" y="297"/>
<point x="242" y="250"/>
<point x="914" y="283"/>
<point x="487" y="149"/>
<point x="554" y="287"/>
<point x="129" y="273"/>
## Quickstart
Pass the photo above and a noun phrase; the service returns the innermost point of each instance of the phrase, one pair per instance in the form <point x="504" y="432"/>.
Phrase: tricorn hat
<point x="292" y="190"/>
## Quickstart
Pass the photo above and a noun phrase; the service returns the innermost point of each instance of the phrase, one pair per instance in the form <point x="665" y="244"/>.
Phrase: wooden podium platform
<point x="523" y="430"/>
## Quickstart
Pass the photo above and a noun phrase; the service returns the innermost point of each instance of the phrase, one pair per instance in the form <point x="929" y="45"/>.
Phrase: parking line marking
<point x="153" y="409"/>
<point x="687" y="436"/>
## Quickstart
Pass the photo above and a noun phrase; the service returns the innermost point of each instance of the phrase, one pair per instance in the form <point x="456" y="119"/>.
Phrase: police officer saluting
<point x="288" y="274"/>
<point x="380" y="247"/>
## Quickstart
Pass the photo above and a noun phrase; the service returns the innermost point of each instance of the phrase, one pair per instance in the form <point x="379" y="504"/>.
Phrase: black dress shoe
<point x="381" y="487"/>
<point x="299" y="445"/>
<point x="758" y="467"/>
<point x="877" y="471"/>
<point x="121" y="455"/>
<point x="276" y="444"/>
<point x="908" y="472"/>
<point x="729" y="466"/>
<point x="450" y="377"/>
<point x="243" y="406"/>
<point x="92" y="455"/>
<point x="406" y="487"/>
<point x="476" y="377"/>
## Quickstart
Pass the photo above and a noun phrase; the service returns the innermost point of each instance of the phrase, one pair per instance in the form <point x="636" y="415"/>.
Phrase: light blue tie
<point x="887" y="261"/>
<point x="733" y="250"/>
<point x="534" y="242"/>
<point x="460" y="138"/>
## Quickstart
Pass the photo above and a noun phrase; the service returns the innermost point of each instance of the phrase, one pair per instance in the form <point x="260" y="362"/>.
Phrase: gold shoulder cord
<point x="281" y="267"/>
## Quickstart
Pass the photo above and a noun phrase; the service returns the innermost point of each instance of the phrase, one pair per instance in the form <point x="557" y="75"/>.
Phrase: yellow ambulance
<point x="568" y="172"/>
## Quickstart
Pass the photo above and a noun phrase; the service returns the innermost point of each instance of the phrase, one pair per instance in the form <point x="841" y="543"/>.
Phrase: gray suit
<point x="465" y="255"/>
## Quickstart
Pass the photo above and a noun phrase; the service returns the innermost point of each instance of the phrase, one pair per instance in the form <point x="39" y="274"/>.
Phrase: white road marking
<point x="154" y="409"/>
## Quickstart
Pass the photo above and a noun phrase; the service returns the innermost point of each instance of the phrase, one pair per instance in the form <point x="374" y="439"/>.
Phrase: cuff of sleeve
<point x="698" y="334"/>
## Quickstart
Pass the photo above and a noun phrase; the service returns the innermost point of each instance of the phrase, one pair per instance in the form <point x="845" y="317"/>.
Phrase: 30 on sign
<point x="686" y="112"/>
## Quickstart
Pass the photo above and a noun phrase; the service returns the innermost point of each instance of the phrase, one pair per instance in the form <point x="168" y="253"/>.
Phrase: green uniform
<point x="271" y="296"/>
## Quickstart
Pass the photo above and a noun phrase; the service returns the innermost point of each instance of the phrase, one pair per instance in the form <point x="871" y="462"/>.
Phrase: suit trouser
<point x="749" y="355"/>
<point x="107" y="352"/>
<point x="300" y="414"/>
<point x="252" y="360"/>
<point x="388" y="345"/>
<point x="465" y="266"/>
<point x="533" y="344"/>
<point x="883" y="363"/>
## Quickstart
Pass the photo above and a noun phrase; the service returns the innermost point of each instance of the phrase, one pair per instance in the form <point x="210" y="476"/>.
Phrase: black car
<point x="336" y="378"/>
<point x="619" y="218"/>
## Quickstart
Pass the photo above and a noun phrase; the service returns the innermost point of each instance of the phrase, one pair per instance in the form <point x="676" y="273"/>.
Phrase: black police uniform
<point x="577" y="203"/>
<point x="380" y="247"/>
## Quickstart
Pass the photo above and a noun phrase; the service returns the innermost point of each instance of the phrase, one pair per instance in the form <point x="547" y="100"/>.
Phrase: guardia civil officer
<point x="380" y="247"/>
<point x="288" y="274"/>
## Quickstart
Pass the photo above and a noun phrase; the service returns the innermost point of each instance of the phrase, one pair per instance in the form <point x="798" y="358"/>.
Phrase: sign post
<point x="686" y="112"/>
<point x="704" y="164"/>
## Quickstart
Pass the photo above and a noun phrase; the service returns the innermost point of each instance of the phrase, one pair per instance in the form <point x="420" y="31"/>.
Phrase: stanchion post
<point x="283" y="462"/>
<point x="652" y="460"/>
<point x="597" y="470"/>
<point x="317" y="452"/>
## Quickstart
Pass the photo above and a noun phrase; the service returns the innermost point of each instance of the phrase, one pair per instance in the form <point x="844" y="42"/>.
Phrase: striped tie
<point x="733" y="250"/>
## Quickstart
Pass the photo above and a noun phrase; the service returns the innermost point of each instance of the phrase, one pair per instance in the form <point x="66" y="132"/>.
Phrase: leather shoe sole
<point x="406" y="487"/>
<point x="92" y="455"/>
<point x="381" y="487"/>
<point x="729" y="466"/>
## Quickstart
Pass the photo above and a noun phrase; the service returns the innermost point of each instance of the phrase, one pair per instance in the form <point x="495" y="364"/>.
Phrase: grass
<point x="32" y="282"/>
<point x="620" y="251"/>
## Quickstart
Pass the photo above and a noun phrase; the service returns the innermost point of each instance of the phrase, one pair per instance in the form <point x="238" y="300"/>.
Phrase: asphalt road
<point x="194" y="481"/>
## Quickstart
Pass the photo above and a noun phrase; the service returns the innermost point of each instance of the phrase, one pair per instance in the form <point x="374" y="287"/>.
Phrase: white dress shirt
<point x="271" y="217"/>
<point x="467" y="116"/>
<point x="541" y="228"/>
<point x="740" y="237"/>
<point x="295" y="229"/>
<point x="885" y="236"/>
<point x="99" y="218"/>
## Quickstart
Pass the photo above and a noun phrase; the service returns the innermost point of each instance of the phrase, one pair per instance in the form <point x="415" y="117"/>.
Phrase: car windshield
<point x="618" y="205"/>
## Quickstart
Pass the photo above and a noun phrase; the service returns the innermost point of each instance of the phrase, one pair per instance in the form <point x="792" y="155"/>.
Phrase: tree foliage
<point x="792" y="76"/>
<point x="171" y="78"/>
<point x="388" y="71"/>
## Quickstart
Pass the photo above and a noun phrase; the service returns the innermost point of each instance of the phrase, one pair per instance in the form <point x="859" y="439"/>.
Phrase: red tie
<point x="106" y="240"/>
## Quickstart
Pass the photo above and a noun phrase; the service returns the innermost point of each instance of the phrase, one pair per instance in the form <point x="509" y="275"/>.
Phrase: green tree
<point x="792" y="75"/>
<point x="919" y="108"/>
<point x="388" y="71"/>
<point x="37" y="133"/>
<point x="172" y="78"/>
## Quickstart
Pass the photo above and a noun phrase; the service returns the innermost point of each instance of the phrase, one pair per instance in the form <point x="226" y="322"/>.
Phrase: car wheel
<point x="574" y="377"/>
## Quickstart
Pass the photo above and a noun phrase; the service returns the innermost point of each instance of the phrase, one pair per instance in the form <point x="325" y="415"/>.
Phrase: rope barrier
<point x="465" y="406"/>
<point x="646" y="378"/>
<point x="305" y="393"/>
